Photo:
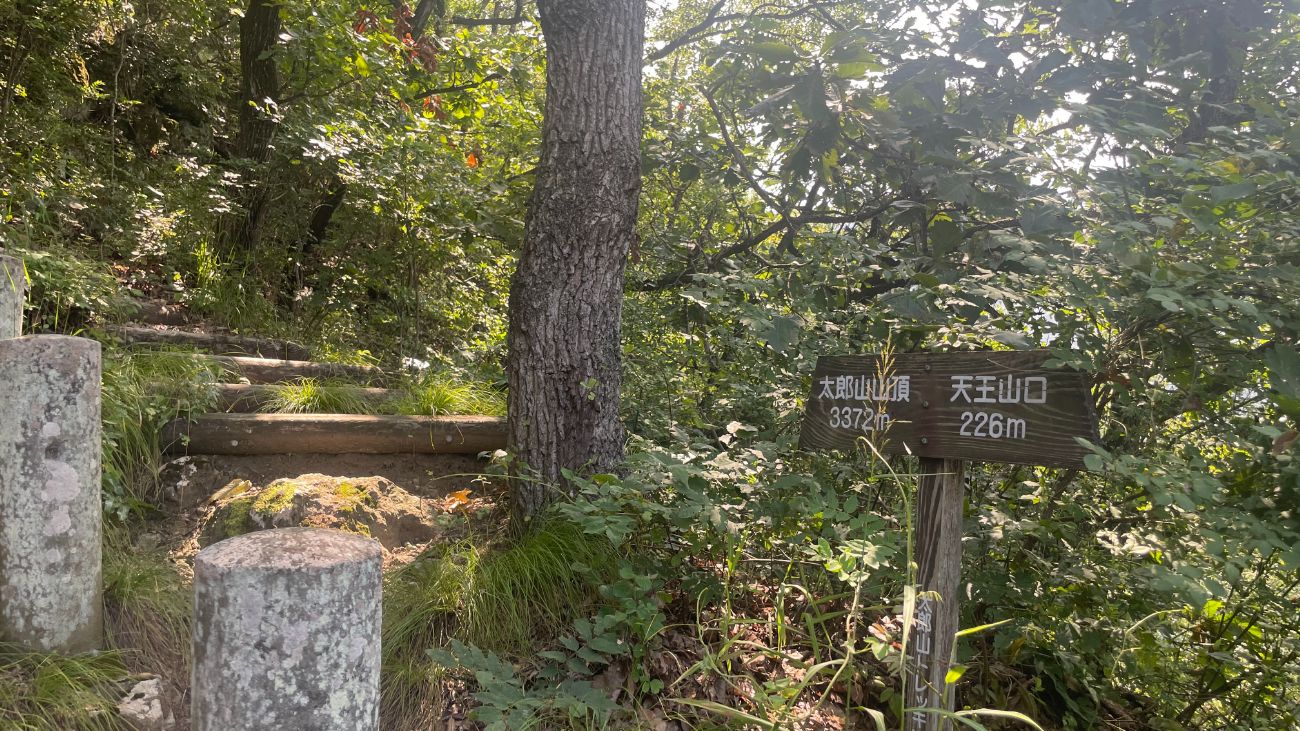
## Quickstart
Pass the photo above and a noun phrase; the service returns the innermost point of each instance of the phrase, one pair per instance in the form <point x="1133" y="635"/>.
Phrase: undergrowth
<point x="503" y="598"/>
<point x="68" y="291"/>
<point x="142" y="391"/>
<point x="147" y="612"/>
<point x="51" y="692"/>
<point x="229" y="293"/>
<point x="434" y="394"/>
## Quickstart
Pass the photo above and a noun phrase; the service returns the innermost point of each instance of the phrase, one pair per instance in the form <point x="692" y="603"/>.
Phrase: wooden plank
<point x="935" y="618"/>
<point x="250" y="398"/>
<point x="334" y="434"/>
<point x="216" y="343"/>
<point x="270" y="370"/>
<point x="987" y="406"/>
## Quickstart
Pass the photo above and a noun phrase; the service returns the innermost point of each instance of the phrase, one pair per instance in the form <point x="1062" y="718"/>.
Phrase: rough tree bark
<point x="259" y="90"/>
<point x="566" y="298"/>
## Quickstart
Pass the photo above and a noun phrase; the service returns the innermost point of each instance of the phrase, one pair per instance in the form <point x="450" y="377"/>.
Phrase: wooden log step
<point x="159" y="312"/>
<point x="217" y="343"/>
<point x="250" y="398"/>
<point x="334" y="434"/>
<point x="270" y="370"/>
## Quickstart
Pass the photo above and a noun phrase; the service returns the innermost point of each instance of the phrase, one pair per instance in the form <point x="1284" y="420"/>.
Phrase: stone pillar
<point x="13" y="295"/>
<point x="50" y="503"/>
<point x="286" y="632"/>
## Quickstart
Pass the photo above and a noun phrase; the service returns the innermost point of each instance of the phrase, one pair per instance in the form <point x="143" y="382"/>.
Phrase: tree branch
<point x="688" y="37"/>
<point x="741" y="163"/>
<point x="459" y="87"/>
<point x="670" y="280"/>
<point x="515" y="19"/>
<point x="423" y="10"/>
<point x="708" y="27"/>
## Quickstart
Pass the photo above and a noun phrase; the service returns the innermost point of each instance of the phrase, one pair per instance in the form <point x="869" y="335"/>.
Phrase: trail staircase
<point x="253" y="368"/>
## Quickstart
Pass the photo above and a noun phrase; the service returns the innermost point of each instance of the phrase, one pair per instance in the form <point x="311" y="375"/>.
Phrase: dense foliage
<point x="1113" y="179"/>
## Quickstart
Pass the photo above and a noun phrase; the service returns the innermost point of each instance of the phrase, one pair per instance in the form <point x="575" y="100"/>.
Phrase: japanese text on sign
<point x="992" y="406"/>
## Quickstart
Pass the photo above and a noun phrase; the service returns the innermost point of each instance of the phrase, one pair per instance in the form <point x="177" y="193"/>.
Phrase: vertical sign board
<point x="947" y="408"/>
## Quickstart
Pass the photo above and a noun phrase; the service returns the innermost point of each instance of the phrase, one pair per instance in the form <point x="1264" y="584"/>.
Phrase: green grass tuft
<point x="443" y="392"/>
<point x="313" y="396"/>
<point x="50" y="692"/>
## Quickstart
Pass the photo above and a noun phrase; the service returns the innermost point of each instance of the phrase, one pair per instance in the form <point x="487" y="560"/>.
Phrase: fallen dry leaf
<point x="457" y="499"/>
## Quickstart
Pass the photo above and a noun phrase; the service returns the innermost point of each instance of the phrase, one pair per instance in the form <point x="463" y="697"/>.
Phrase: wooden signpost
<point x="947" y="408"/>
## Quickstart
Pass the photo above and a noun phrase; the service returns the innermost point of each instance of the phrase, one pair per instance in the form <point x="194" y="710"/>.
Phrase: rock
<point x="369" y="506"/>
<point x="286" y="632"/>
<point x="50" y="499"/>
<point x="143" y="708"/>
<point x="13" y="295"/>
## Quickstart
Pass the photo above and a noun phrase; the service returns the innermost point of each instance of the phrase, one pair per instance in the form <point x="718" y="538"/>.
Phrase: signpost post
<point x="947" y="408"/>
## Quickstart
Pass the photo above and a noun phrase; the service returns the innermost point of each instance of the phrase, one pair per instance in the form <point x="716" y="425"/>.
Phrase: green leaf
<point x="1284" y="377"/>
<point x="1014" y="339"/>
<point x="784" y="333"/>
<point x="982" y="628"/>
<point x="994" y="713"/>
<point x="945" y="236"/>
<point x="607" y="645"/>
<point x="1235" y="191"/>
<point x="773" y="51"/>
<point x="729" y="712"/>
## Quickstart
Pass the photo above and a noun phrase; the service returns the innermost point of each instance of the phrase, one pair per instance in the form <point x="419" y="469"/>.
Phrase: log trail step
<point x="218" y="343"/>
<point x="250" y="398"/>
<point x="160" y="312"/>
<point x="270" y="370"/>
<point x="334" y="434"/>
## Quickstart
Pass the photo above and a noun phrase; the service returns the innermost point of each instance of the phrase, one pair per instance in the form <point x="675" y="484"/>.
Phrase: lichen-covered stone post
<point x="286" y="632"/>
<point x="50" y="506"/>
<point x="13" y="295"/>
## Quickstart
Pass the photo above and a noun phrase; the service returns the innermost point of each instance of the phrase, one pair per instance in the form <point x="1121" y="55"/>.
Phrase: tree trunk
<point x="259" y="90"/>
<point x="566" y="298"/>
<point x="297" y="274"/>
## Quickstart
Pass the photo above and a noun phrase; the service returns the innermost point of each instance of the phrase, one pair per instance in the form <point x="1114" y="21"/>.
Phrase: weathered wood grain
<point x="250" y="398"/>
<point x="216" y="343"/>
<point x="935" y="619"/>
<point x="270" y="370"/>
<point x="931" y="421"/>
<point x="334" y="434"/>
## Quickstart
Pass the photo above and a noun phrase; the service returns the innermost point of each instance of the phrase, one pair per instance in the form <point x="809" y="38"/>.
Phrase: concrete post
<point x="50" y="504"/>
<point x="13" y="295"/>
<point x="286" y="632"/>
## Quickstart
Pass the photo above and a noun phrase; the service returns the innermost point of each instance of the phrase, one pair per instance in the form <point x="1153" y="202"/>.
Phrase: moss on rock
<point x="370" y="506"/>
<point x="276" y="498"/>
